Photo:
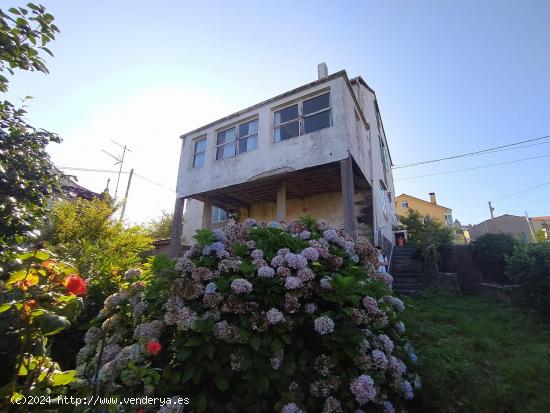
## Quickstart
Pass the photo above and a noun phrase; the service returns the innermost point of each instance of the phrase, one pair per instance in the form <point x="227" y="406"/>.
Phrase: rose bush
<point x="286" y="317"/>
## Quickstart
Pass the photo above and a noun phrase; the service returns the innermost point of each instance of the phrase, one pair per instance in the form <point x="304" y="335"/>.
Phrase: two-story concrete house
<point x="319" y="149"/>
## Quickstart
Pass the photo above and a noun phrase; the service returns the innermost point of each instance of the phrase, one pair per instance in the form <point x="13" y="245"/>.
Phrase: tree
<point x="430" y="237"/>
<point x="160" y="227"/>
<point x="27" y="176"/>
<point x="87" y="233"/>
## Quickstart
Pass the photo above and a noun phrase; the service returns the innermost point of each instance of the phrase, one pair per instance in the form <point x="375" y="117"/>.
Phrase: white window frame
<point x="384" y="194"/>
<point x="216" y="215"/>
<point x="301" y="117"/>
<point x="384" y="153"/>
<point x="237" y="137"/>
<point x="195" y="153"/>
<point x="404" y="204"/>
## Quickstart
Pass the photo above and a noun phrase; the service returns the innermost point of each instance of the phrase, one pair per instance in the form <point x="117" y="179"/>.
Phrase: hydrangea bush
<point x="287" y="317"/>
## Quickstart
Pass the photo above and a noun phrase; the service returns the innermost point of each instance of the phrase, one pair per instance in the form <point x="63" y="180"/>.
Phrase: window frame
<point x="301" y="117"/>
<point x="195" y="153"/>
<point x="405" y="204"/>
<point x="214" y="215"/>
<point x="237" y="126"/>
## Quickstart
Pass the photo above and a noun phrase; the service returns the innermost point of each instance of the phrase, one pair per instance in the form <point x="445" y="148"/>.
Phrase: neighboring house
<point x="508" y="224"/>
<point x="71" y="188"/>
<point x="319" y="149"/>
<point x="428" y="209"/>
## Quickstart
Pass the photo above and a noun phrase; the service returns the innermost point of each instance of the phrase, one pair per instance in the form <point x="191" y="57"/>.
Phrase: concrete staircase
<point x="406" y="271"/>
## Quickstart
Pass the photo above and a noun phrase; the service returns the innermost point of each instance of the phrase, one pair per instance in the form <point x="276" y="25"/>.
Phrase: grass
<point x="475" y="355"/>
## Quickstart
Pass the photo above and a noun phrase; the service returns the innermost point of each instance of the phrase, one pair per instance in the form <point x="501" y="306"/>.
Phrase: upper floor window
<point x="303" y="117"/>
<point x="404" y="204"/>
<point x="384" y="154"/>
<point x="238" y="139"/>
<point x="218" y="215"/>
<point x="449" y="220"/>
<point x="384" y="195"/>
<point x="199" y="153"/>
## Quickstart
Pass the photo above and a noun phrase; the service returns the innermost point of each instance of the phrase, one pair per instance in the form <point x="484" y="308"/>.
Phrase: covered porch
<point x="337" y="192"/>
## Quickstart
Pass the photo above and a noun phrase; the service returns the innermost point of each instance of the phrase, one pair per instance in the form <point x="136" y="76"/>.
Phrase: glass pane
<point x="227" y="135"/>
<point x="287" y="131"/>
<point x="286" y="114"/>
<point x="248" y="128"/>
<point x="226" y="151"/>
<point x="200" y="146"/>
<point x="247" y="144"/>
<point x="318" y="121"/>
<point x="198" y="160"/>
<point x="317" y="103"/>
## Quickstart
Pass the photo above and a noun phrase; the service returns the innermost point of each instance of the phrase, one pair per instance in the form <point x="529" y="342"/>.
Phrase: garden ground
<point x="475" y="355"/>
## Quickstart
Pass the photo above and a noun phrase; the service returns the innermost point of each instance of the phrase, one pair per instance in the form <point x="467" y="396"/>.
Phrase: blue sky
<point x="451" y="77"/>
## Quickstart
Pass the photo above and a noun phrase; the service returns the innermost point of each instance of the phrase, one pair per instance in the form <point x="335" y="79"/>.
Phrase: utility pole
<point x="491" y="210"/>
<point x="119" y="160"/>
<point x="126" y="195"/>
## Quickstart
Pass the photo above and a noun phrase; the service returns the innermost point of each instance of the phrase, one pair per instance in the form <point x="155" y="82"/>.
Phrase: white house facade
<point x="319" y="149"/>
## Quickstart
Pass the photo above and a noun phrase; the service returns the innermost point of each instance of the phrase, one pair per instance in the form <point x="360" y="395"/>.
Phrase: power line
<point x="471" y="169"/>
<point x="73" y="168"/>
<point x="521" y="192"/>
<point x="480" y="152"/>
<point x="154" y="183"/>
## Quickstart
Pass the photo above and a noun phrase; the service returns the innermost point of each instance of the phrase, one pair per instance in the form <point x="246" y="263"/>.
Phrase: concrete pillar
<point x="281" y="201"/>
<point x="348" y="197"/>
<point x="177" y="228"/>
<point x="207" y="215"/>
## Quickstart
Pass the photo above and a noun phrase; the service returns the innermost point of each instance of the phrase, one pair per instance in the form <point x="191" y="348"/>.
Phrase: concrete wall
<point x="347" y="133"/>
<point x="327" y="206"/>
<point x="508" y="224"/>
<point x="365" y="147"/>
<point x="316" y="148"/>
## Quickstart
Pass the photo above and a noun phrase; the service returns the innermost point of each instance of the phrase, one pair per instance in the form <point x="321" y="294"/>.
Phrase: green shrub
<point x="490" y="252"/>
<point x="433" y="240"/>
<point x="256" y="318"/>
<point x="40" y="298"/>
<point x="87" y="233"/>
<point x="529" y="266"/>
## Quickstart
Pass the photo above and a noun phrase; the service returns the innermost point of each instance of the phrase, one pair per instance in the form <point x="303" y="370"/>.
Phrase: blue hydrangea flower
<point x="273" y="224"/>
<point x="219" y="234"/>
<point x="210" y="288"/>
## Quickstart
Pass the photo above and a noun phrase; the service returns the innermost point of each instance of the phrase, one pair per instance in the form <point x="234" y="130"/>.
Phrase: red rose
<point x="153" y="347"/>
<point x="75" y="284"/>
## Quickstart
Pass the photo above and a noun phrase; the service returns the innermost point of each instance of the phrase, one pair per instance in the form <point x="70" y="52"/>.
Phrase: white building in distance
<point x="319" y="149"/>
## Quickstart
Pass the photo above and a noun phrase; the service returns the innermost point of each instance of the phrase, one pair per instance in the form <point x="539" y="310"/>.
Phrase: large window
<point x="236" y="140"/>
<point x="303" y="117"/>
<point x="199" y="152"/>
<point x="384" y="197"/>
<point x="384" y="154"/>
<point x="218" y="215"/>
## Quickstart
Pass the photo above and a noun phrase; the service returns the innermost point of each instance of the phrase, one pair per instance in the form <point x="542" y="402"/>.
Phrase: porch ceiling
<point x="299" y="184"/>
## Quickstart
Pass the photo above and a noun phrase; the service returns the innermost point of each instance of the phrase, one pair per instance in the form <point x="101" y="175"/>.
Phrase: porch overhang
<point x="300" y="184"/>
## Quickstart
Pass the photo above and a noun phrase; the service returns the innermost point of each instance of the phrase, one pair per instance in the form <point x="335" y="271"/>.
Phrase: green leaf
<point x="194" y="341"/>
<point x="6" y="306"/>
<point x="64" y="378"/>
<point x="255" y="342"/>
<point x="42" y="255"/>
<point x="14" y="11"/>
<point x="222" y="383"/>
<point x="202" y="404"/>
<point x="16" y="277"/>
<point x="50" y="323"/>
<point x="184" y="354"/>
<point x="186" y="376"/>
